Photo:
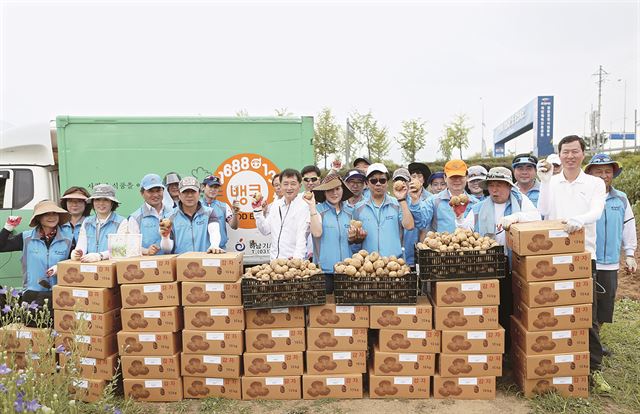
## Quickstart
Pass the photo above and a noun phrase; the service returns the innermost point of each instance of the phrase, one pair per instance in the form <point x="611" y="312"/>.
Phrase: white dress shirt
<point x="583" y="200"/>
<point x="288" y="225"/>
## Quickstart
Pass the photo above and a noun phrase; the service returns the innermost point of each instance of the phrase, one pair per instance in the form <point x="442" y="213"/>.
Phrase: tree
<point x="412" y="138"/>
<point x="456" y="136"/>
<point x="326" y="137"/>
<point x="283" y="112"/>
<point x="242" y="113"/>
<point x="380" y="144"/>
<point x="368" y="133"/>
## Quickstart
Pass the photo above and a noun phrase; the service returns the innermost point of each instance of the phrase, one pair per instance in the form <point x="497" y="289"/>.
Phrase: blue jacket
<point x="220" y="208"/>
<point x="149" y="226"/>
<point x="411" y="237"/>
<point x="333" y="246"/>
<point x="72" y="232"/>
<point x="190" y="234"/>
<point x="97" y="243"/>
<point x="508" y="210"/>
<point x="609" y="228"/>
<point x="436" y="214"/>
<point x="384" y="232"/>
<point x="534" y="193"/>
<point x="37" y="258"/>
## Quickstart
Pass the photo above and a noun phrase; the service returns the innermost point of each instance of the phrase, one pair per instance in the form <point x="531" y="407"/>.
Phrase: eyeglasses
<point x="375" y="181"/>
<point x="310" y="179"/>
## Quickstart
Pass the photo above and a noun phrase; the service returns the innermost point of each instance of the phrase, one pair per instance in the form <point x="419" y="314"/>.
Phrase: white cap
<point x="377" y="167"/>
<point x="554" y="159"/>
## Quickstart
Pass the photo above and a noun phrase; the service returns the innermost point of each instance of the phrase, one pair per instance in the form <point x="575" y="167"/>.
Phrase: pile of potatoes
<point x="462" y="240"/>
<point x="282" y="269"/>
<point x="462" y="199"/>
<point x="365" y="264"/>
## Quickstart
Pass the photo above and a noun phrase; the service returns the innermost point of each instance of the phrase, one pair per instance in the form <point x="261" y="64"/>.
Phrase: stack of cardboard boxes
<point x="213" y="324"/>
<point x="337" y="342"/>
<point x="403" y="360"/>
<point x="466" y="312"/>
<point x="151" y="325"/>
<point x="86" y="304"/>
<point x="553" y="296"/>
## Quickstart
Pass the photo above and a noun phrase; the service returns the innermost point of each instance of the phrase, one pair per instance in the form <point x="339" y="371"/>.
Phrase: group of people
<point x="335" y="216"/>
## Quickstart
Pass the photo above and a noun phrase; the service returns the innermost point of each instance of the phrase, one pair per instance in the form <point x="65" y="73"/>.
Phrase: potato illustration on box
<point x="449" y="388"/>
<point x="385" y="388"/>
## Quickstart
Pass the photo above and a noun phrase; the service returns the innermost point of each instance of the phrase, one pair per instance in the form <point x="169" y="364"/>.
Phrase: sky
<point x="400" y="60"/>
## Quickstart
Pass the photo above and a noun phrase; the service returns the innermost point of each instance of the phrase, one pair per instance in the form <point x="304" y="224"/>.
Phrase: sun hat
<point x="329" y="183"/>
<point x="604" y="159"/>
<point x="499" y="174"/>
<point x="104" y="191"/>
<point x="48" y="206"/>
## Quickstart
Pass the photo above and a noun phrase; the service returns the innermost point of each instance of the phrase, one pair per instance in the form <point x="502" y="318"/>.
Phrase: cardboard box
<point x="89" y="346"/>
<point x="87" y="390"/>
<point x="338" y="316"/>
<point x="275" y="318"/>
<point x="399" y="340"/>
<point x="557" y="365"/>
<point x="208" y="343"/>
<point x="85" y="299"/>
<point x="554" y="293"/>
<point x="218" y="366"/>
<point x="95" y="368"/>
<point x="552" y="267"/>
<point x="76" y="273"/>
<point x="336" y="362"/>
<point x="229" y="318"/>
<point x="543" y="237"/>
<point x="549" y="342"/>
<point x="205" y="267"/>
<point x="340" y="339"/>
<point x="467" y="293"/>
<point x="329" y="386"/>
<point x="150" y="295"/>
<point x="152" y="319"/>
<point x="469" y="388"/>
<point x="418" y="316"/>
<point x="99" y="324"/>
<point x="148" y="343"/>
<point x="199" y="387"/>
<point x="268" y="364"/>
<point x="42" y="364"/>
<point x="212" y="294"/>
<point x="395" y="363"/>
<point x="473" y="342"/>
<point x="275" y="340"/>
<point x="467" y="317"/>
<point x="564" y="386"/>
<point x="151" y="367"/>
<point x="557" y="317"/>
<point x="146" y="269"/>
<point x="455" y="365"/>
<point x="399" y="386"/>
<point x="271" y="388"/>
<point x="18" y="338"/>
<point x="157" y="390"/>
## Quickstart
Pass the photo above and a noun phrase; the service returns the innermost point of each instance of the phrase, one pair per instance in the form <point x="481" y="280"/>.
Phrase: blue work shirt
<point x="149" y="224"/>
<point x="37" y="257"/>
<point x="333" y="246"/>
<point x="97" y="238"/>
<point x="190" y="234"/>
<point x="383" y="225"/>
<point x="436" y="214"/>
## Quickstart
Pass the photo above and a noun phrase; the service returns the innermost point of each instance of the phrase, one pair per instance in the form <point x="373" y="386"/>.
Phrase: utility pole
<point x="347" y="143"/>
<point x="624" y="116"/>
<point x="483" y="150"/>
<point x="601" y="74"/>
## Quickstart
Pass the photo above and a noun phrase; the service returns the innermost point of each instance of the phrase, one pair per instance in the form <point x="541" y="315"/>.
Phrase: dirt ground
<point x="629" y="284"/>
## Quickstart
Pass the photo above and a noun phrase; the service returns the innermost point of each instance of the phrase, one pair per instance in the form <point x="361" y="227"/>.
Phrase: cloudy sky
<point x="399" y="60"/>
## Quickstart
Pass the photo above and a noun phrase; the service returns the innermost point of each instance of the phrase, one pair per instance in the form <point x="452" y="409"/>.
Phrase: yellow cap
<point x="455" y="167"/>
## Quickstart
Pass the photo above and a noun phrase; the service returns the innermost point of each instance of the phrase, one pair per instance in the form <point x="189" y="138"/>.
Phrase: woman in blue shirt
<point x="74" y="200"/>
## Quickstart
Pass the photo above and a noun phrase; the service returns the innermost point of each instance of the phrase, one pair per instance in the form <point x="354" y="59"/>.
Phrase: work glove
<point x="572" y="225"/>
<point x="90" y="258"/>
<point x="151" y="251"/>
<point x="545" y="171"/>
<point x="214" y="250"/>
<point x="506" y="221"/>
<point x="76" y="254"/>
<point x="12" y="222"/>
<point x="235" y="207"/>
<point x="165" y="228"/>
<point x="632" y="266"/>
<point x="52" y="271"/>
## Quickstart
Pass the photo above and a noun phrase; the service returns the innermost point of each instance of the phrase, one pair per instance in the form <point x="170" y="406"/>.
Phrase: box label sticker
<point x="83" y="339"/>
<point x="85" y="316"/>
<point x="151" y="314"/>
<point x="280" y="310"/>
<point x="88" y="361"/>
<point x="341" y="356"/>
<point x="147" y="338"/>
<point x="215" y="336"/>
<point x="281" y="333"/>
<point x="558" y="233"/>
<point x="274" y="381"/>
<point x="148" y="264"/>
<point x="345" y="309"/>
<point x="402" y="380"/>
<point x="467" y="381"/>
<point x="562" y="380"/>
<point x="88" y="268"/>
<point x="472" y="311"/>
<point x="477" y="359"/>
<point x="210" y="262"/>
<point x="153" y="384"/>
<point x="416" y="334"/>
<point x="214" y="287"/>
<point x="563" y="285"/>
<point x="343" y="332"/>
<point x="563" y="311"/>
<point x="560" y="334"/>
<point x="219" y="311"/>
<point x="23" y="334"/>
<point x="406" y="311"/>
<point x="470" y="287"/>
<point x="559" y="359"/>
<point x="477" y="335"/>
<point x="152" y="289"/>
<point x="215" y="381"/>
<point x="408" y="357"/>
<point x="152" y="361"/>
<point x="335" y="381"/>
<point x="212" y="359"/>
<point x="81" y="383"/>
<point x="562" y="260"/>
<point x="80" y="293"/>
<point x="275" y="358"/>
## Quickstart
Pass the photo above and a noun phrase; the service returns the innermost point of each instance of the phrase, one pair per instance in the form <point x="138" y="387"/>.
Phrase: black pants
<point x="595" y="346"/>
<point x="608" y="280"/>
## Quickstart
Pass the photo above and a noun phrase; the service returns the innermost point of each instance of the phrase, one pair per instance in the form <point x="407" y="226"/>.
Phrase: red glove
<point x="12" y="222"/>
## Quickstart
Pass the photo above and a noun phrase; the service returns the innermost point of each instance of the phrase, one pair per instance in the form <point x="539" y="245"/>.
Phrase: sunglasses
<point x="310" y="179"/>
<point x="375" y="181"/>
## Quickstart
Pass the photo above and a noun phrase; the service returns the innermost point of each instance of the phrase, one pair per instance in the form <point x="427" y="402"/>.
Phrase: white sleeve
<point x="528" y="212"/>
<point x="123" y="228"/>
<point x="263" y="223"/>
<point x="302" y="233"/>
<point x="228" y="214"/>
<point x="133" y="226"/>
<point x="629" y="239"/>
<point x="82" y="240"/>
<point x="596" y="206"/>
<point x="544" y="199"/>
<point x="214" y="235"/>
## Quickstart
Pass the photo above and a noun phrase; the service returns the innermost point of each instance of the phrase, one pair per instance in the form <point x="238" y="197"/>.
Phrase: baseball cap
<point x="189" y="183"/>
<point x="524" y="159"/>
<point x="377" y="167"/>
<point x="352" y="174"/>
<point x="401" y="173"/>
<point x="150" y="181"/>
<point x="455" y="167"/>
<point x="171" y="178"/>
<point x="211" y="180"/>
<point x="357" y="160"/>
<point x="437" y="174"/>
<point x="554" y="159"/>
<point x="476" y="172"/>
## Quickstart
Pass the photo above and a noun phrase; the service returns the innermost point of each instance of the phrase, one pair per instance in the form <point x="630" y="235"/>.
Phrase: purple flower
<point x="6" y="309"/>
<point x="3" y="388"/>
<point x="117" y="411"/>
<point x="33" y="305"/>
<point x="21" y="381"/>
<point x="15" y="293"/>
<point x="24" y="305"/>
<point x="4" y="369"/>
<point x="33" y="406"/>
<point x="54" y="333"/>
<point x="3" y="290"/>
<point x="18" y="405"/>
<point x="60" y="349"/>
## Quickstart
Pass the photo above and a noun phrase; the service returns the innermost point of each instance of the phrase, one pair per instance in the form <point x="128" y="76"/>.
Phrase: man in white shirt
<point x="577" y="199"/>
<point x="288" y="219"/>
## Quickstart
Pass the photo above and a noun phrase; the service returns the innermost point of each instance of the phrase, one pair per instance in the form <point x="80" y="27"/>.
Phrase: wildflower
<point x="15" y="293"/>
<point x="54" y="333"/>
<point x="4" y="369"/>
<point x="18" y="404"/>
<point x="72" y="402"/>
<point x="6" y="309"/>
<point x="21" y="379"/>
<point x="3" y="290"/>
<point x="33" y="305"/>
<point x="33" y="406"/>
<point x="24" y="305"/>
<point x="46" y="410"/>
<point x="60" y="349"/>
<point x="3" y="388"/>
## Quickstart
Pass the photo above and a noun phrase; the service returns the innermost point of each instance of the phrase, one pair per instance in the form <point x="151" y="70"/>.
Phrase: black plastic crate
<point x="308" y="291"/>
<point x="433" y="265"/>
<point x="375" y="290"/>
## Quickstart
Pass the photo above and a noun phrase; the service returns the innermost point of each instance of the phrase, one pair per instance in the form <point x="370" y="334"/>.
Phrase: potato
<point x="312" y="266"/>
<point x="355" y="223"/>
<point x="374" y="256"/>
<point x="378" y="264"/>
<point x="393" y="274"/>
<point x="455" y="200"/>
<point x="368" y="266"/>
<point x="379" y="271"/>
<point x="401" y="262"/>
<point x="350" y="270"/>
<point x="363" y="253"/>
<point x="398" y="185"/>
<point x="464" y="199"/>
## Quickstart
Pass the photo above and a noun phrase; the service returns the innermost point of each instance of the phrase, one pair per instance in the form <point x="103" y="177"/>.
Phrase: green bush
<point x="629" y="182"/>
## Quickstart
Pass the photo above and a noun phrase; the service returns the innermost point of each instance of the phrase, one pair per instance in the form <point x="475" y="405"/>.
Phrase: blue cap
<point x="211" y="180"/>
<point x="437" y="174"/>
<point x="351" y="174"/>
<point x="524" y="159"/>
<point x="604" y="159"/>
<point x="150" y="181"/>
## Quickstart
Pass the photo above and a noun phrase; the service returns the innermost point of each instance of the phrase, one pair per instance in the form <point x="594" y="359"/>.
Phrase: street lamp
<point x="624" y="115"/>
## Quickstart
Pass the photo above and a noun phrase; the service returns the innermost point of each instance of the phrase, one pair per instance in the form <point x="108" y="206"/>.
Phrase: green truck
<point x="36" y="162"/>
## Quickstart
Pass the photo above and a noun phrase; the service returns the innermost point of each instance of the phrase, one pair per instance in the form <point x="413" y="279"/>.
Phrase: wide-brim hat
<point x="74" y="196"/>
<point x="422" y="169"/>
<point x="48" y="206"/>
<point x="329" y="183"/>
<point x="498" y="174"/>
<point x="604" y="159"/>
<point x="103" y="191"/>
